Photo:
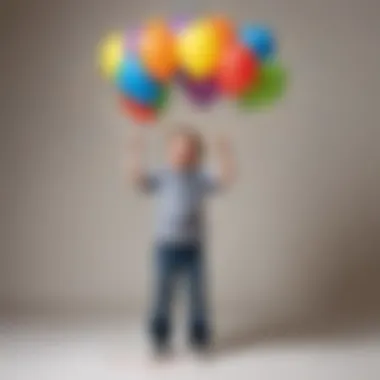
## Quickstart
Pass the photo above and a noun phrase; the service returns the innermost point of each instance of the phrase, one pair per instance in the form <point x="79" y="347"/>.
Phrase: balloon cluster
<point x="207" y="58"/>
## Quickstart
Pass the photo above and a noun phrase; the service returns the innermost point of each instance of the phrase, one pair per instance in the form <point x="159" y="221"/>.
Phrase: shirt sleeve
<point x="211" y="182"/>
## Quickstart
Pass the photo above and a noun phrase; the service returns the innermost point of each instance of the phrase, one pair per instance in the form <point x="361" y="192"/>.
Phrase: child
<point x="181" y="188"/>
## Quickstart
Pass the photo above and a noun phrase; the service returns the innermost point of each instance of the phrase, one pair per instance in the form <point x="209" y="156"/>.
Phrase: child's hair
<point x="190" y="133"/>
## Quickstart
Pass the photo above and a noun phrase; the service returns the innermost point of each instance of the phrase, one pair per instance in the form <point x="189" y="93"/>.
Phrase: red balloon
<point x="238" y="71"/>
<point x="140" y="113"/>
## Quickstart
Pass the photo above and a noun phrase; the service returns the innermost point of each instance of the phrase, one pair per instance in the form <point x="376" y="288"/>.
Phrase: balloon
<point x="178" y="24"/>
<point x="134" y="82"/>
<point x="271" y="86"/>
<point x="201" y="93"/>
<point x="239" y="69"/>
<point x="139" y="112"/>
<point x="163" y="99"/>
<point x="225" y="30"/>
<point x="199" y="49"/>
<point x="208" y="57"/>
<point x="158" y="50"/>
<point x="110" y="54"/>
<point x="259" y="40"/>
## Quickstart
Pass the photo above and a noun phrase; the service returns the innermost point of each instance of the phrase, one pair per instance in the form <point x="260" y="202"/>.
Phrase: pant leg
<point x="198" y="315"/>
<point x="163" y="294"/>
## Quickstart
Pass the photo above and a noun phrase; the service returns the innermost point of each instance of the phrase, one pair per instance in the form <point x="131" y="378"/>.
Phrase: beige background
<point x="297" y="236"/>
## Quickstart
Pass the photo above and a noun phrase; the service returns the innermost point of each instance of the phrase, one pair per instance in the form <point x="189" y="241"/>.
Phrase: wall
<point x="298" y="234"/>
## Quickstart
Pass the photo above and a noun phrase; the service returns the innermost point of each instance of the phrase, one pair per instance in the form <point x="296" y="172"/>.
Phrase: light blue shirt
<point x="180" y="203"/>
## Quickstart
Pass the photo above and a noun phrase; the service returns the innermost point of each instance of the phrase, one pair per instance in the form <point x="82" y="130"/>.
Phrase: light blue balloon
<point x="133" y="81"/>
<point x="260" y="40"/>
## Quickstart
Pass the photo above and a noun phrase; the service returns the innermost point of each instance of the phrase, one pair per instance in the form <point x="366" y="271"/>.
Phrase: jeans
<point x="186" y="261"/>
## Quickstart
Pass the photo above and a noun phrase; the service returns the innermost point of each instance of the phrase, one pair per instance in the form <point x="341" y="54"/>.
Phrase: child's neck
<point x="184" y="169"/>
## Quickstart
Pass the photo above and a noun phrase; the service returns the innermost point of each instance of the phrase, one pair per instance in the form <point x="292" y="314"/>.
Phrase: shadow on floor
<point x="347" y="284"/>
<point x="323" y="332"/>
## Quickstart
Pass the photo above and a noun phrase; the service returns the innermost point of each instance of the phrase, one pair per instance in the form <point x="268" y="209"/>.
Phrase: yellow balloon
<point x="111" y="53"/>
<point x="199" y="49"/>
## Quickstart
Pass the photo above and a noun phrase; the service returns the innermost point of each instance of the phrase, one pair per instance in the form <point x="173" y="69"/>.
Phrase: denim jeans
<point x="173" y="261"/>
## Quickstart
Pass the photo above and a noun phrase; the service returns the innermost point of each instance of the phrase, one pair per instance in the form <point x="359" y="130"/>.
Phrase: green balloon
<point x="163" y="99"/>
<point x="271" y="87"/>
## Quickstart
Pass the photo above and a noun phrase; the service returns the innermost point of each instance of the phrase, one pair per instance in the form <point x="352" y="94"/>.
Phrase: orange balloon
<point x="225" y="30"/>
<point x="158" y="50"/>
<point x="138" y="112"/>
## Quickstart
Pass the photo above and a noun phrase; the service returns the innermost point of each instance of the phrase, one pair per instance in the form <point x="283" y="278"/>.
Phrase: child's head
<point x="185" y="149"/>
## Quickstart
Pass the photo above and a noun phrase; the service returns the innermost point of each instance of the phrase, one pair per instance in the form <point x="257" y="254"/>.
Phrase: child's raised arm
<point x="227" y="165"/>
<point x="137" y="173"/>
<point x="135" y="160"/>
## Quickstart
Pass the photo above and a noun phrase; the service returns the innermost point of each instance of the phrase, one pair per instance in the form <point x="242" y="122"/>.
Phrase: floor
<point x="116" y="351"/>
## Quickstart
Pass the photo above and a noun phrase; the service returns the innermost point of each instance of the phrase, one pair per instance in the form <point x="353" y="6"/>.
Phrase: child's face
<point x="183" y="152"/>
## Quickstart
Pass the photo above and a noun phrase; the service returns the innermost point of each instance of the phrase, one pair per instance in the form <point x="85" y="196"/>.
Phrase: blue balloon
<point x="133" y="81"/>
<point x="260" y="40"/>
